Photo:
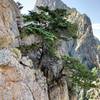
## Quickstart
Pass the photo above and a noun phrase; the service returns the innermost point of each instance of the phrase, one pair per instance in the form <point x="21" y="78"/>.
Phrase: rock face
<point x="19" y="82"/>
<point x="52" y="4"/>
<point x="85" y="46"/>
<point x="19" y="78"/>
<point x="9" y="19"/>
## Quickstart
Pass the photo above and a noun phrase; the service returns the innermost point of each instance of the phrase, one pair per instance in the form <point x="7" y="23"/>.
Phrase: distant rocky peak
<point x="52" y="4"/>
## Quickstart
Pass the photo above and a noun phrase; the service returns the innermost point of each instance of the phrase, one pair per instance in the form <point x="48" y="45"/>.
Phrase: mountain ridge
<point x="85" y="33"/>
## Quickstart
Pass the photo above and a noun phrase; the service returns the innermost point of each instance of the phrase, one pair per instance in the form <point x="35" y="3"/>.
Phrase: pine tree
<point x="47" y="24"/>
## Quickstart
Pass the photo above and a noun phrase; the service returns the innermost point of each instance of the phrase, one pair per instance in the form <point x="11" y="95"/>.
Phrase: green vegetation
<point x="27" y="48"/>
<point x="51" y="20"/>
<point x="80" y="76"/>
<point x="49" y="24"/>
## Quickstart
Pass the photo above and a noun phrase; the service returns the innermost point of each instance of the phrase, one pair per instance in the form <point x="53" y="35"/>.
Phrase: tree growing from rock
<point x="47" y="24"/>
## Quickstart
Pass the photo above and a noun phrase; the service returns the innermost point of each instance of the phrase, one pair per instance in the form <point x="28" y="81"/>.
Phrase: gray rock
<point x="10" y="18"/>
<point x="26" y="62"/>
<point x="52" y="4"/>
<point x="19" y="82"/>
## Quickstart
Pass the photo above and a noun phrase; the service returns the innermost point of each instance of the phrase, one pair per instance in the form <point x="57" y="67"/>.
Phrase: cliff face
<point x="85" y="46"/>
<point x="9" y="19"/>
<point x="19" y="77"/>
<point x="18" y="81"/>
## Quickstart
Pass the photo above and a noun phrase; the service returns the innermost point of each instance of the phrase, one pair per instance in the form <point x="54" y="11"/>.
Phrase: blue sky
<point x="89" y="7"/>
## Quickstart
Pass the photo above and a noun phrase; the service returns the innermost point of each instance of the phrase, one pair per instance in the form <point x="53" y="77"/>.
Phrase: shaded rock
<point x="59" y="92"/>
<point x="31" y="39"/>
